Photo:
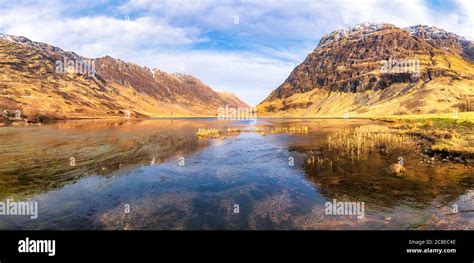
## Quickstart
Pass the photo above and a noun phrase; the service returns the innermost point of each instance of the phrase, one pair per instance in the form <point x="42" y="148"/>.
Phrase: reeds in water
<point x="210" y="132"/>
<point x="291" y="129"/>
<point x="359" y="142"/>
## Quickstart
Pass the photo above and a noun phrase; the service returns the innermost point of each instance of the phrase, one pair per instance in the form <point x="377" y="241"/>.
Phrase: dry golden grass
<point x="359" y="142"/>
<point x="292" y="130"/>
<point x="460" y="116"/>
<point x="458" y="144"/>
<point x="214" y="133"/>
<point x="444" y="131"/>
<point x="303" y="129"/>
<point x="435" y="126"/>
<point x="208" y="132"/>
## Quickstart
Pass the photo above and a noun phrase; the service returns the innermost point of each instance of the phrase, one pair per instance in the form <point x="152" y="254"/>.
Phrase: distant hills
<point x="44" y="81"/>
<point x="378" y="70"/>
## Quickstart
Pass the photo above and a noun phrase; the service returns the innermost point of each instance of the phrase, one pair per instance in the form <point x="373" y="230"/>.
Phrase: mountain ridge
<point x="344" y="73"/>
<point x="30" y="81"/>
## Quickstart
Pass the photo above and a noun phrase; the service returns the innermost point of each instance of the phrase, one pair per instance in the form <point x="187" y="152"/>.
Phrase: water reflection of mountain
<point x="38" y="159"/>
<point x="367" y="181"/>
<point x="243" y="165"/>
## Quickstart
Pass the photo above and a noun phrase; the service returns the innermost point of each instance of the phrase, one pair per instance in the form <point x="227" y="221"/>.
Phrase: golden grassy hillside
<point x="30" y="83"/>
<point x="437" y="96"/>
<point x="343" y="76"/>
<point x="440" y="95"/>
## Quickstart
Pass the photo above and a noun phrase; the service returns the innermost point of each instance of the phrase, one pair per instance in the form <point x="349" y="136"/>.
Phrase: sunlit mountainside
<point x="379" y="70"/>
<point x="43" y="81"/>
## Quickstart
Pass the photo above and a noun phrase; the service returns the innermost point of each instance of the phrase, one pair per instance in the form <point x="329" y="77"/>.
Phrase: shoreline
<point x="462" y="116"/>
<point x="444" y="135"/>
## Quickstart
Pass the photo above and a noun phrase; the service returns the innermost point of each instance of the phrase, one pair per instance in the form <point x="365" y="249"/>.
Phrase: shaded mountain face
<point x="44" y="81"/>
<point x="378" y="69"/>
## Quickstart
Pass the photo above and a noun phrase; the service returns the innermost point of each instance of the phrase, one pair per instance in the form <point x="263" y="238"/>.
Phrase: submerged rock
<point x="396" y="169"/>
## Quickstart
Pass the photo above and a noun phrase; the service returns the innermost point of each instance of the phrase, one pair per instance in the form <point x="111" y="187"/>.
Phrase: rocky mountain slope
<point x="44" y="81"/>
<point x="378" y="70"/>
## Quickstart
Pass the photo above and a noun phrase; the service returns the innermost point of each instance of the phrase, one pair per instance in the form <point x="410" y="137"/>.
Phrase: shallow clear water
<point x="157" y="174"/>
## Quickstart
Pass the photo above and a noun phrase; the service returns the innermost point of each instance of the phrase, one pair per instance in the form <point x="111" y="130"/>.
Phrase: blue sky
<point x="247" y="47"/>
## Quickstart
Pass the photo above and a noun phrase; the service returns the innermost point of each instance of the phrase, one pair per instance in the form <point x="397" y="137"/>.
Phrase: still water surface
<point x="157" y="174"/>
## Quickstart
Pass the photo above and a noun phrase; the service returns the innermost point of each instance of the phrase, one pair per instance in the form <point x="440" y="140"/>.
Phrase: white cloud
<point x="94" y="35"/>
<point x="463" y="19"/>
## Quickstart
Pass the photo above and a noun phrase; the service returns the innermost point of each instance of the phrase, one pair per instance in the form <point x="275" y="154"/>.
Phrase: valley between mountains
<point x="342" y="75"/>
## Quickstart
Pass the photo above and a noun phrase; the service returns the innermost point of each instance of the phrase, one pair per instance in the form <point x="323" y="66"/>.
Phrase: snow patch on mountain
<point x="360" y="30"/>
<point x="40" y="46"/>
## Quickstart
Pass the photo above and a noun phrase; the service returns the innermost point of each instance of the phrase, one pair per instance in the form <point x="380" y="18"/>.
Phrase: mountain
<point x="376" y="70"/>
<point x="44" y="81"/>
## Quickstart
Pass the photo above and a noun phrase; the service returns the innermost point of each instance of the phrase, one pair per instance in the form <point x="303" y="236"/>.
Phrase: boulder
<point x="396" y="169"/>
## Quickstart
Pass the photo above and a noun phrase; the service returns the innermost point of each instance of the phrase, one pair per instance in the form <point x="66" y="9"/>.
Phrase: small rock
<point x="442" y="222"/>
<point x="396" y="169"/>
